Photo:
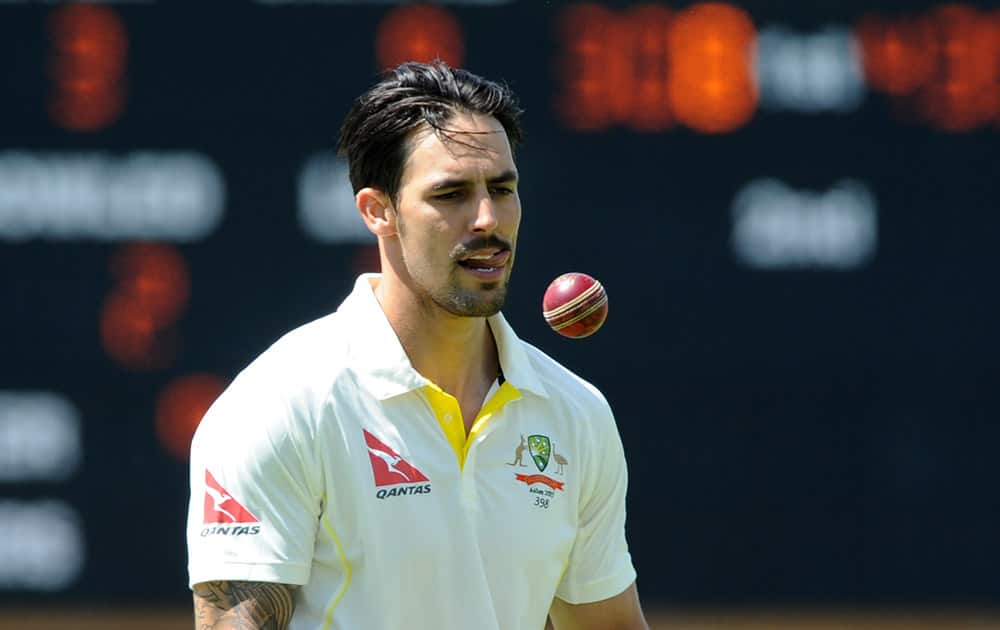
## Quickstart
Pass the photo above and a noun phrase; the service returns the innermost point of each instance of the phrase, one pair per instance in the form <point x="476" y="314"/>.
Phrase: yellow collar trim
<point x="449" y="415"/>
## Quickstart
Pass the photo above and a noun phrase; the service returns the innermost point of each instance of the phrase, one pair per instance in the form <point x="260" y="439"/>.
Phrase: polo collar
<point x="514" y="362"/>
<point x="381" y="365"/>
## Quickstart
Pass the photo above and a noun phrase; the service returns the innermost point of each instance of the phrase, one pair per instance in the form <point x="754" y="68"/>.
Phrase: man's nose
<point x="486" y="216"/>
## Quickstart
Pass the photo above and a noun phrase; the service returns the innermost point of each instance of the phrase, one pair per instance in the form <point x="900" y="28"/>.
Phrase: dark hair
<point x="374" y="135"/>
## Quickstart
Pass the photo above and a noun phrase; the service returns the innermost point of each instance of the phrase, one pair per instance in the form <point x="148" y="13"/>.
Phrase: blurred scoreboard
<point x="793" y="207"/>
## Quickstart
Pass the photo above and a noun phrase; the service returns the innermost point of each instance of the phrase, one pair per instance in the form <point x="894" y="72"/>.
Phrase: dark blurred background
<point x="793" y="207"/>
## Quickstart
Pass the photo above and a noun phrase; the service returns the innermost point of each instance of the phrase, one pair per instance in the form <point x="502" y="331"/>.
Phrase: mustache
<point x="482" y="242"/>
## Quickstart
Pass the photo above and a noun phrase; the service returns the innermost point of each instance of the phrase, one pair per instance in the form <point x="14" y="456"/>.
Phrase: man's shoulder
<point x="282" y="391"/>
<point x="561" y="382"/>
<point x="299" y="368"/>
<point x="309" y="339"/>
<point x="299" y="347"/>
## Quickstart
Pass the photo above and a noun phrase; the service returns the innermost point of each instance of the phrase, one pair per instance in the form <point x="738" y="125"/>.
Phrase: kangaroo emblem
<point x="219" y="499"/>
<point x="389" y="460"/>
<point x="519" y="453"/>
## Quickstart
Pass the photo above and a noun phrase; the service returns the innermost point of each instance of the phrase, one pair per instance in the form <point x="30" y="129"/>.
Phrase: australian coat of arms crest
<point x="540" y="449"/>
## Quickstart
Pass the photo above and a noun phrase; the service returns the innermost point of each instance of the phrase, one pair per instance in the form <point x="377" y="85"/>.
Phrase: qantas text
<point x="231" y="530"/>
<point x="404" y="490"/>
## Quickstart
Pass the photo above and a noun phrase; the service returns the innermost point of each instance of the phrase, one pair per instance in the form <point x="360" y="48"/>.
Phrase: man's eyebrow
<point x="505" y="177"/>
<point x="450" y="183"/>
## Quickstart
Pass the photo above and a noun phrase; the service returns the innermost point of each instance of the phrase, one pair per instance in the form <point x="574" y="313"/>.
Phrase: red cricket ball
<point x="575" y="305"/>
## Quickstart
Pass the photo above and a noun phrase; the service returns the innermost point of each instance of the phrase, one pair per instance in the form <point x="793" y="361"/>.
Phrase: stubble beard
<point x="485" y="301"/>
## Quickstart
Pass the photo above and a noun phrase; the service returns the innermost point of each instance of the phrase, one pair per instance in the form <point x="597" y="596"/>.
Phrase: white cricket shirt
<point x="332" y="464"/>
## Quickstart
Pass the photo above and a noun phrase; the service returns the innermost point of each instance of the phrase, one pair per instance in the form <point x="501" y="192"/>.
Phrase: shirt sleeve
<point x="600" y="565"/>
<point x="256" y="495"/>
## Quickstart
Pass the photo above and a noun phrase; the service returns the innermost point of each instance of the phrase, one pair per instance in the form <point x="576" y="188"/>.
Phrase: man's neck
<point x="458" y="354"/>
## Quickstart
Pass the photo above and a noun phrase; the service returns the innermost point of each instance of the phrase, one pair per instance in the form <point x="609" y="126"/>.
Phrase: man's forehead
<point x="463" y="148"/>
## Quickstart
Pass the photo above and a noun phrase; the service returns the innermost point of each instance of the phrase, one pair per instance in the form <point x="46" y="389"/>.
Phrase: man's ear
<point x="376" y="211"/>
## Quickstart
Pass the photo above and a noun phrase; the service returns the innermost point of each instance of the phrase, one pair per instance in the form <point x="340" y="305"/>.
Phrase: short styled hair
<point x="374" y="134"/>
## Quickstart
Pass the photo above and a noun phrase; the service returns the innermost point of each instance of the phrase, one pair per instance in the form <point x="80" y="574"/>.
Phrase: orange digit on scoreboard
<point x="180" y="407"/>
<point x="87" y="67"/>
<point x="419" y="32"/>
<point x="583" y="101"/>
<point x="649" y="31"/>
<point x="898" y="55"/>
<point x="712" y="84"/>
<point x="967" y="93"/>
<point x="151" y="293"/>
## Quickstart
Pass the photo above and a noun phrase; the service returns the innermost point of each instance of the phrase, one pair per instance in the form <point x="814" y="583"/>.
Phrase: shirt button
<point x="447" y="417"/>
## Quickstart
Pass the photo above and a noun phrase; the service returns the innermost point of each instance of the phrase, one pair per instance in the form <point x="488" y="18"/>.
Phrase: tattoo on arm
<point x="243" y="606"/>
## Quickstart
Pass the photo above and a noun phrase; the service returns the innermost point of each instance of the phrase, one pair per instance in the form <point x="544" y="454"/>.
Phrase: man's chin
<point x="474" y="303"/>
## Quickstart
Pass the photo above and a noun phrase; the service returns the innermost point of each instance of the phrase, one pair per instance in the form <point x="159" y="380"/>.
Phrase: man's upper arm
<point x="256" y="486"/>
<point x="227" y="605"/>
<point x="599" y="564"/>
<point x="621" y="612"/>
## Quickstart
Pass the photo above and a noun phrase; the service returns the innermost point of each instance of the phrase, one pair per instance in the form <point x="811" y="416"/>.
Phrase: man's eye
<point x="503" y="191"/>
<point x="448" y="195"/>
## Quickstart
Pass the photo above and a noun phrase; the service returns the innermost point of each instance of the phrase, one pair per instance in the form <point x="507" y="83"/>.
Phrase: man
<point x="358" y="474"/>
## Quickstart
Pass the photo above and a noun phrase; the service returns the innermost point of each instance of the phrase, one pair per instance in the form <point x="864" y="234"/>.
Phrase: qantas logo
<point x="221" y="507"/>
<point x="389" y="469"/>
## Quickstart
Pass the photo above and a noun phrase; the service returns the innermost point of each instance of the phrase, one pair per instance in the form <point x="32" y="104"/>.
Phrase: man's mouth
<point x="486" y="261"/>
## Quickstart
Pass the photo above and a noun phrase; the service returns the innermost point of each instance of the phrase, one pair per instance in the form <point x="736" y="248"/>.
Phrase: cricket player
<point x="407" y="462"/>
